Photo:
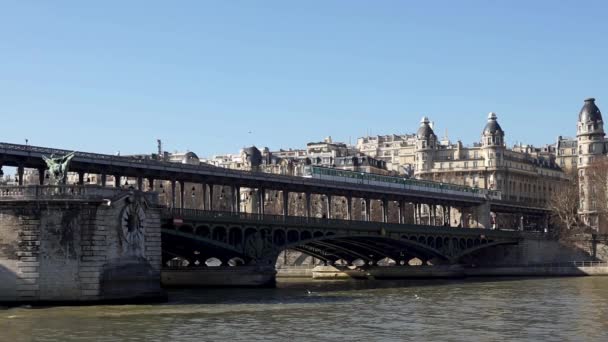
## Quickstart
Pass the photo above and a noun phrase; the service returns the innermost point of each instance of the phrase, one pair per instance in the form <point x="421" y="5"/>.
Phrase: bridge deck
<point x="190" y="216"/>
<point x="31" y="156"/>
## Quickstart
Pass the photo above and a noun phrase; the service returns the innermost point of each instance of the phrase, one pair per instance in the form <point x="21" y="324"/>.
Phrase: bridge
<point x="256" y="237"/>
<point x="146" y="170"/>
<point x="241" y="238"/>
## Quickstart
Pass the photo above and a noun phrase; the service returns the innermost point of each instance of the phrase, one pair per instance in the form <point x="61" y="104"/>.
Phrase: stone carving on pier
<point x="58" y="168"/>
<point x="132" y="222"/>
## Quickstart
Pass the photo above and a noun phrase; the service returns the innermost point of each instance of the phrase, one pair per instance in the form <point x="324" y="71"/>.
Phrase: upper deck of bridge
<point x="127" y="166"/>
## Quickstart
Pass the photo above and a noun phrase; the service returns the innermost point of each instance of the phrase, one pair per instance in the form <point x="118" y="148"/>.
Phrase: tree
<point x="564" y="202"/>
<point x="596" y="179"/>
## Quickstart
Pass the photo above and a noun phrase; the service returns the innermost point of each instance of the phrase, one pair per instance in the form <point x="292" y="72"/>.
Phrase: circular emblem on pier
<point x="132" y="222"/>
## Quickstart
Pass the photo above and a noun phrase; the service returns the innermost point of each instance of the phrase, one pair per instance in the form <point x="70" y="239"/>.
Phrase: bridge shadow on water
<point x="304" y="291"/>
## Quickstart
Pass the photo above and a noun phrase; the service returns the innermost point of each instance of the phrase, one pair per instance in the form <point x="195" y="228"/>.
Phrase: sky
<point x="215" y="76"/>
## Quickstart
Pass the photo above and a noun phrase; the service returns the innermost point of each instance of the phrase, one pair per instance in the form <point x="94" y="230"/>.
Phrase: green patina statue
<point x="58" y="168"/>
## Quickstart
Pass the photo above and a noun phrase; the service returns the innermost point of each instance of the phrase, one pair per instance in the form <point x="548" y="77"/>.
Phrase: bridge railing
<point x="24" y="192"/>
<point x="171" y="213"/>
<point x="257" y="217"/>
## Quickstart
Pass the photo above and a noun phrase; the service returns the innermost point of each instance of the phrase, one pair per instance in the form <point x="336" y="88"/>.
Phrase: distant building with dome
<point x="591" y="145"/>
<point x="522" y="173"/>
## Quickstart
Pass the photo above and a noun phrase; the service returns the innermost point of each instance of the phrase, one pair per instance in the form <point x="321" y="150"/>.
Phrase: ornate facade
<point x="522" y="173"/>
<point x="591" y="145"/>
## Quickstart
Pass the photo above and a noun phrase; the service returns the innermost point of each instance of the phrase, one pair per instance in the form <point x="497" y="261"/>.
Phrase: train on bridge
<point x="336" y="175"/>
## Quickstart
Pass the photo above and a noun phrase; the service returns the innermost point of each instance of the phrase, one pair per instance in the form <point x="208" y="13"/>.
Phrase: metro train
<point x="331" y="174"/>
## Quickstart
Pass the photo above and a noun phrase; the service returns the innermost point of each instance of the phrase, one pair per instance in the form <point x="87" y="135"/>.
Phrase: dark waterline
<point x="548" y="309"/>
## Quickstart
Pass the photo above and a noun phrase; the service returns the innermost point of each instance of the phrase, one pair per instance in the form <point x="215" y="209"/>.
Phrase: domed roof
<point x="253" y="155"/>
<point x="492" y="127"/>
<point x="190" y="158"/>
<point x="425" y="130"/>
<point x="590" y="112"/>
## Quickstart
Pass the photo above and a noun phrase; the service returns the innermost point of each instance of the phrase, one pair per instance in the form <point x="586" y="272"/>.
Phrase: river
<point x="547" y="309"/>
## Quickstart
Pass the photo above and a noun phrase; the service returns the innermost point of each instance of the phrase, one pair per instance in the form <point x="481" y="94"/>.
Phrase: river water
<point x="549" y="309"/>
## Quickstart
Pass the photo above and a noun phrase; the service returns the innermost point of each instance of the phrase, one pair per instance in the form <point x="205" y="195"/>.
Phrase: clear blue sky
<point x="115" y="75"/>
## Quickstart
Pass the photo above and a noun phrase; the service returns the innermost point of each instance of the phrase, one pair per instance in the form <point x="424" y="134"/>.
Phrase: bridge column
<point x="116" y="181"/>
<point x="261" y="201"/>
<point x="329" y="200"/>
<point x="20" y="171"/>
<point x="104" y="179"/>
<point x="204" y="196"/>
<point x="462" y="217"/>
<point x="210" y="203"/>
<point x="182" y="194"/>
<point x="81" y="178"/>
<point x="236" y="198"/>
<point x="285" y="203"/>
<point x="434" y="210"/>
<point x="482" y="215"/>
<point x="368" y="209"/>
<point x="401" y="212"/>
<point x="172" y="193"/>
<point x="419" y="212"/>
<point x="41" y="176"/>
<point x="140" y="183"/>
<point x="308" y="205"/>
<point x="150" y="184"/>
<point x="349" y="208"/>
<point x="384" y="210"/>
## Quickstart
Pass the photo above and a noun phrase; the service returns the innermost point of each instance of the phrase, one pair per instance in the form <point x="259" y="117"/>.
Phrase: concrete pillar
<point x="329" y="203"/>
<point x="81" y="178"/>
<point x="150" y="184"/>
<point x="434" y="210"/>
<point x="20" y="171"/>
<point x="140" y="183"/>
<point x="285" y="203"/>
<point x="116" y="181"/>
<point x="349" y="208"/>
<point x="308" y="205"/>
<point x="182" y="194"/>
<point x="103" y="179"/>
<point x="172" y="194"/>
<point x="41" y="176"/>
<point x="384" y="210"/>
<point x="368" y="209"/>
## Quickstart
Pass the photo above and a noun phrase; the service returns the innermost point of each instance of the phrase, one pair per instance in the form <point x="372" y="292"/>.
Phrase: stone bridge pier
<point x="70" y="244"/>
